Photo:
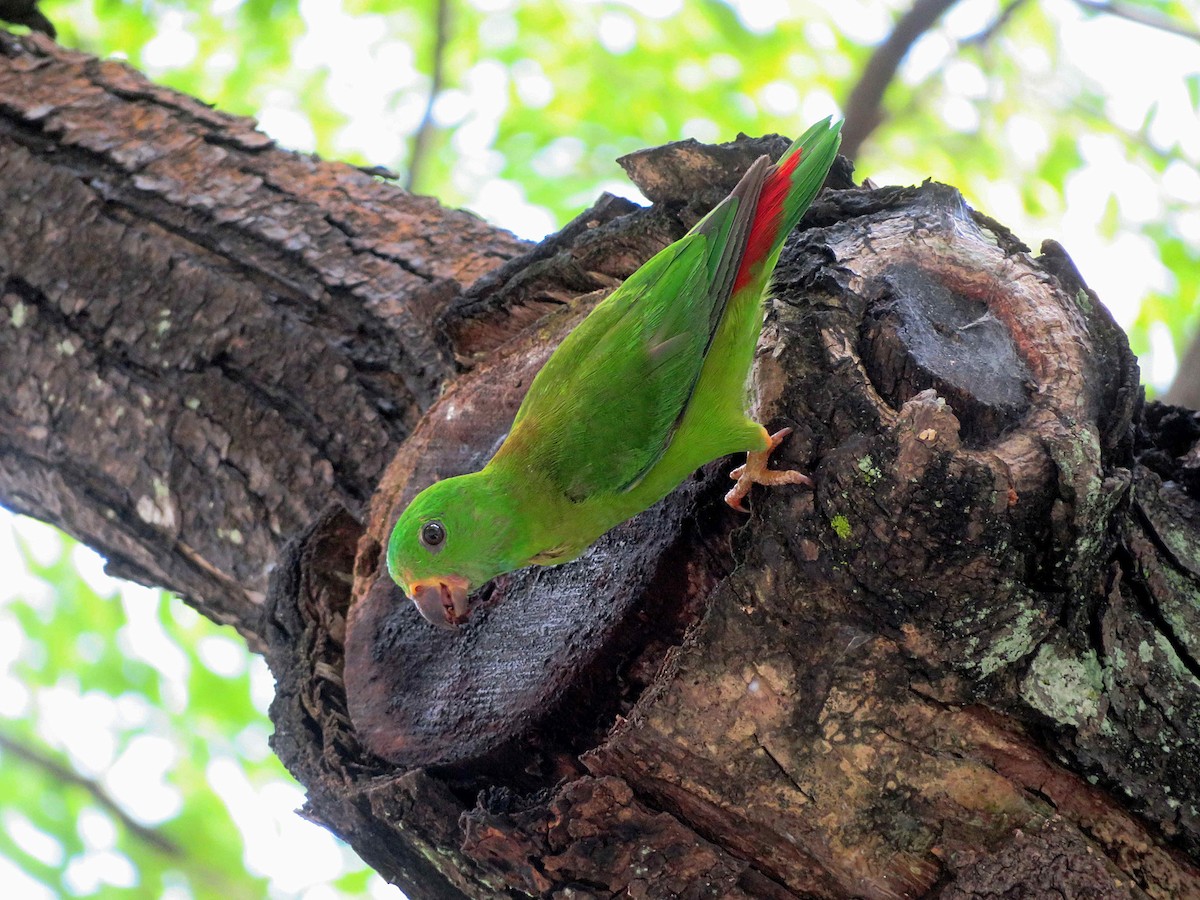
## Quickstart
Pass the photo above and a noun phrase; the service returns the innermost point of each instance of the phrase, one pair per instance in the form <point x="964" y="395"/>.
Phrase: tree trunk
<point x="964" y="665"/>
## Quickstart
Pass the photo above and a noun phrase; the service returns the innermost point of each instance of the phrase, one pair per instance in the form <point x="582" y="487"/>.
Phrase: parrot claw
<point x="755" y="471"/>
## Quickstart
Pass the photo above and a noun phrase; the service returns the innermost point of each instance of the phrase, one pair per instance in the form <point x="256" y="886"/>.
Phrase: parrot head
<point x="455" y="536"/>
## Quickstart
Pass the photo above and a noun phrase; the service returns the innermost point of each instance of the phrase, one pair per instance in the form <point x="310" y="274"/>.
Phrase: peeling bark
<point x="964" y="665"/>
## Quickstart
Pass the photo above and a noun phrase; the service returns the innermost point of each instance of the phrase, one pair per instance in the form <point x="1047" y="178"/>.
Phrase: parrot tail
<point x="790" y="187"/>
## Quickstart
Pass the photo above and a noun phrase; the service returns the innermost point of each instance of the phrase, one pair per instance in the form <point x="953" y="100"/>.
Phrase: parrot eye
<point x="433" y="535"/>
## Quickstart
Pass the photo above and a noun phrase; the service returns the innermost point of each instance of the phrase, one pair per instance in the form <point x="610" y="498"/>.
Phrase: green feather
<point x="650" y="386"/>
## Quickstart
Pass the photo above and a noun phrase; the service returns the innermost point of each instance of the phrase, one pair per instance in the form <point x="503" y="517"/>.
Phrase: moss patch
<point x="841" y="526"/>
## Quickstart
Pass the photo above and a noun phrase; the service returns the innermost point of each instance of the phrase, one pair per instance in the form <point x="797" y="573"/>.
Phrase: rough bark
<point x="965" y="664"/>
<point x="210" y="338"/>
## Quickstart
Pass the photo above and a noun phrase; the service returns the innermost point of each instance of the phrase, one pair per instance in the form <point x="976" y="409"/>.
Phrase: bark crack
<point x="1146" y="600"/>
<point x="782" y="769"/>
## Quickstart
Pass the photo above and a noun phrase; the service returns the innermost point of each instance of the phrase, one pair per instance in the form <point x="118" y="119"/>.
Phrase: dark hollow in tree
<point x="964" y="665"/>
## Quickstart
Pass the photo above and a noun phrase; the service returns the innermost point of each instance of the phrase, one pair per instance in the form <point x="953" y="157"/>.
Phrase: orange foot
<point x="755" y="471"/>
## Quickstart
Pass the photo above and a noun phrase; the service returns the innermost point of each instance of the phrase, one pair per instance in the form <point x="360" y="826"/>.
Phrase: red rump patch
<point x="765" y="227"/>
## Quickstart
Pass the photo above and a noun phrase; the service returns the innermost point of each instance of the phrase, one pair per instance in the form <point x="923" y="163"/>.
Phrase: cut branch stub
<point x="920" y="334"/>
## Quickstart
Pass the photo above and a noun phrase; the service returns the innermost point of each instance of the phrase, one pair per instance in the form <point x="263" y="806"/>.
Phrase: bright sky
<point x="1122" y="269"/>
<point x="300" y="857"/>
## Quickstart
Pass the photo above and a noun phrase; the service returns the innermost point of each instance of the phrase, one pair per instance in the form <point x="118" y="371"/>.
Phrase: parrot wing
<point x="604" y="407"/>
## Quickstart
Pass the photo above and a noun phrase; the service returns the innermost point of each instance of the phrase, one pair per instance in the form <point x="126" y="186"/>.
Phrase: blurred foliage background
<point x="133" y="755"/>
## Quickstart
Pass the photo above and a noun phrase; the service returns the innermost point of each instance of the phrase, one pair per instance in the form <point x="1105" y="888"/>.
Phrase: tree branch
<point x="984" y="36"/>
<point x="140" y="412"/>
<point x="421" y="140"/>
<point x="65" y="775"/>
<point x="864" y="111"/>
<point x="1185" y="389"/>
<point x="1141" y="17"/>
<point x="25" y="12"/>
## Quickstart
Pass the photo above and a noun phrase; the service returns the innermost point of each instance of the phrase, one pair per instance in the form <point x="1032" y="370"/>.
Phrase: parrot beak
<point x="442" y="600"/>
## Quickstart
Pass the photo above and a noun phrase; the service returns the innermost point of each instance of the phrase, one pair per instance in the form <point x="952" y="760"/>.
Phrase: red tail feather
<point x="766" y="220"/>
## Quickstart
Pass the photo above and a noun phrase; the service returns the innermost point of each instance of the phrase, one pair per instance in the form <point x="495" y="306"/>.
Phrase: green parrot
<point x="645" y="390"/>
